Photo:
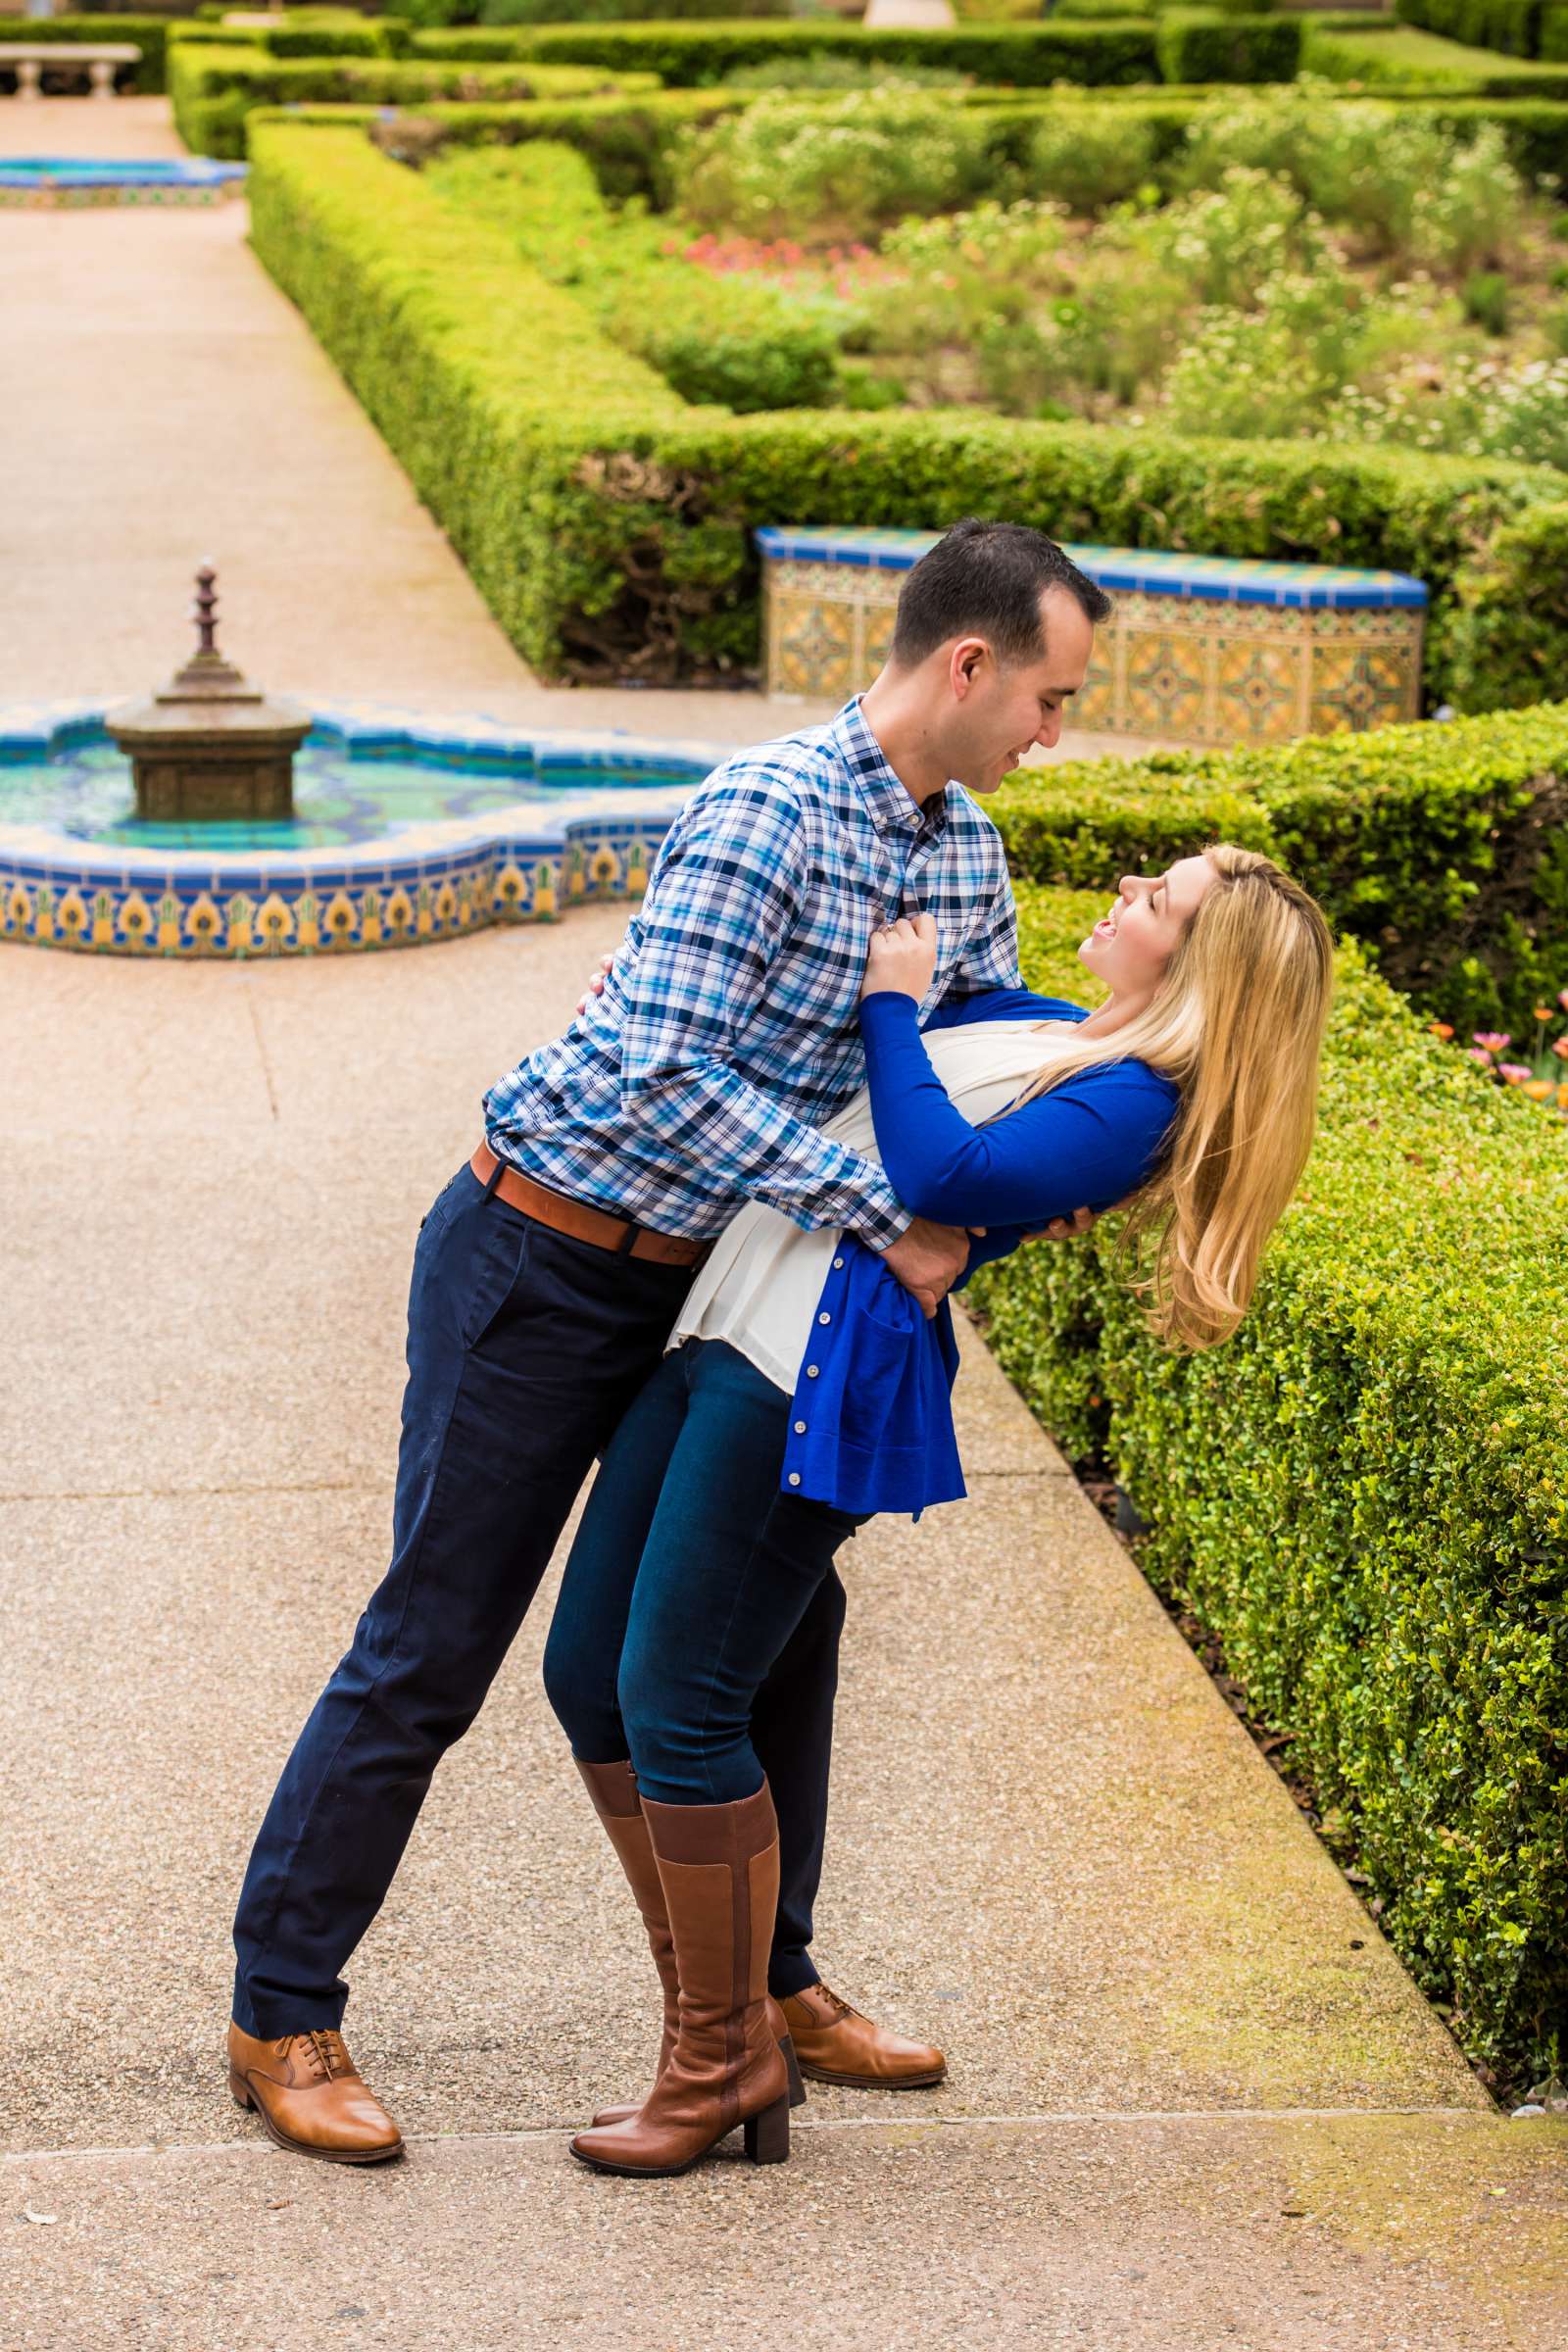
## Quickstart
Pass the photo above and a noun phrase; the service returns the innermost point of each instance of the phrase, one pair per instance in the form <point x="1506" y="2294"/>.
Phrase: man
<point x="548" y="1273"/>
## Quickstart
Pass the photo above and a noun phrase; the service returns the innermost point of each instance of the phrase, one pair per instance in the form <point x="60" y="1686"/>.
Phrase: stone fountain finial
<point x="209" y="745"/>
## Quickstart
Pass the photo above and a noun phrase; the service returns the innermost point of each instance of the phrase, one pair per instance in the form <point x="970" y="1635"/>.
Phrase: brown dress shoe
<point x="835" y="2044"/>
<point x="718" y="1866"/>
<point x="309" y="2093"/>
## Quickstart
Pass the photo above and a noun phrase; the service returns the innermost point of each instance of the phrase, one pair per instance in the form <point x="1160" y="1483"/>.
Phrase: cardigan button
<point x="824" y="1318"/>
<point x="837" y="1262"/>
<point x="795" y="1477"/>
<point x="811" y="1371"/>
<point x="800" y="1429"/>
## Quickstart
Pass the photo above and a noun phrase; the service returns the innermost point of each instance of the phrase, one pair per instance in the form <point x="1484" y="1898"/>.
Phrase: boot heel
<point x="768" y="2135"/>
<point x="237" y="2091"/>
<point x="786" y="2043"/>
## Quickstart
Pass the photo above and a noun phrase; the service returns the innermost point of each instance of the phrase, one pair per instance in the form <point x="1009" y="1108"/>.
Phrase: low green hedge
<point x="1443" y="848"/>
<point x="626" y="550"/>
<point x="1409" y="61"/>
<point x="1362" y="1493"/>
<point x="731" y="338"/>
<point x="697" y="56"/>
<point x="619" y="12"/>
<point x="150" y="33"/>
<point x="213" y="90"/>
<point x="288" y="38"/>
<point x="1512" y="26"/>
<point x="1210" y="44"/>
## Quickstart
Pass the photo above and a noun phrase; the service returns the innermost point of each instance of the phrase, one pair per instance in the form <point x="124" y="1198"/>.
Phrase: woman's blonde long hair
<point x="1237" y="1022"/>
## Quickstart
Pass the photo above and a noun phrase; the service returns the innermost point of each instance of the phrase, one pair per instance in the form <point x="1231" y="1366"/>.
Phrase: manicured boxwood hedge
<point x="214" y="89"/>
<point x="728" y="336"/>
<point x="1211" y="44"/>
<point x="1511" y="25"/>
<point x="1443" y="848"/>
<point x="1362" y="1493"/>
<point x="610" y="532"/>
<point x="150" y="33"/>
<point x="373" y="37"/>
<point x="693" y="55"/>
<point x="1404" y="60"/>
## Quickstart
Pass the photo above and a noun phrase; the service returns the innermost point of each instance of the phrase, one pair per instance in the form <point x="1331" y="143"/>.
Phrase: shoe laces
<point x="327" y="2051"/>
<point x="843" y="2007"/>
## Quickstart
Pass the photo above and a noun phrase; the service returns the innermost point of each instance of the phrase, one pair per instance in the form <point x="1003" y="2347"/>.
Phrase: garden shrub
<point x="1510" y="26"/>
<point x="1441" y="848"/>
<point x="1362" y="1494"/>
<point x="734" y="339"/>
<point x="1506" y="647"/>
<point x="1209" y="46"/>
<point x="623" y="548"/>
<point x="614" y="11"/>
<point x="213" y="90"/>
<point x="1090" y="158"/>
<point x="856" y="162"/>
<point x="1424" y="62"/>
<point x="150" y="34"/>
<point x="1554" y="32"/>
<point x="698" y="56"/>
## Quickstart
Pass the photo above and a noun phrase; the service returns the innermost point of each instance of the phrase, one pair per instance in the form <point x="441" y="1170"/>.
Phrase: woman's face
<point x="1130" y="946"/>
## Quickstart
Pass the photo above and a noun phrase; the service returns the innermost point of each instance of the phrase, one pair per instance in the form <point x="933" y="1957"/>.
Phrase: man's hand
<point x="928" y="1260"/>
<point x="595" y="983"/>
<point x="1064" y="1229"/>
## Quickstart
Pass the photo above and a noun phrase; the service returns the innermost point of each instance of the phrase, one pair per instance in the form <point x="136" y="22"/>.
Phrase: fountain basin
<point x="404" y="832"/>
<point x="60" y="179"/>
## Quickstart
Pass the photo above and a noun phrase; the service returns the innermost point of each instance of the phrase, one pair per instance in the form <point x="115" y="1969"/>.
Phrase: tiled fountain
<point x="401" y="830"/>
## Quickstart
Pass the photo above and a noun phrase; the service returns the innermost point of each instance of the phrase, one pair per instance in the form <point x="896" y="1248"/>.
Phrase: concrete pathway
<point x="165" y="402"/>
<point x="1194" y="2098"/>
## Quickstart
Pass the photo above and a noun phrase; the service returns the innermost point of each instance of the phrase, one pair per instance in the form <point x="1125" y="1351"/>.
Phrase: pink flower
<point x="1492" y="1039"/>
<point x="1516" y="1072"/>
<point x="1560" y="1047"/>
<point x="1480" y="1053"/>
<point x="1562" y="998"/>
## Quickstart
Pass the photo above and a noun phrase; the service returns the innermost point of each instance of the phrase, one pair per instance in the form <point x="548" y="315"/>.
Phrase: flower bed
<point x="1362" y="1493"/>
<point x="607" y="521"/>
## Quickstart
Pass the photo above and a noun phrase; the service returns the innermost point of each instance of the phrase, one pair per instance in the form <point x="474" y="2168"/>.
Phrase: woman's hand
<point x="595" y="983"/>
<point x="903" y="957"/>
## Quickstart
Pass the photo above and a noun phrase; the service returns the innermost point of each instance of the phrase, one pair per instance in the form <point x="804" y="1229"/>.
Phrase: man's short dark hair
<point x="986" y="579"/>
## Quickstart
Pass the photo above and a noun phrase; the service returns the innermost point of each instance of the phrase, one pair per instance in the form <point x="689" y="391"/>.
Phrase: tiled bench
<point x="1199" y="649"/>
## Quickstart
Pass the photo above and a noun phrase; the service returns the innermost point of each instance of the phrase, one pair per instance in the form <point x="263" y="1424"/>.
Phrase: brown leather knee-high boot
<point x="613" y="1791"/>
<point x="719" y="1867"/>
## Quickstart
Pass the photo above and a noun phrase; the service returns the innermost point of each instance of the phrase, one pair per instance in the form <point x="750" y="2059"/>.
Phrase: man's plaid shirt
<point x="727" y="1028"/>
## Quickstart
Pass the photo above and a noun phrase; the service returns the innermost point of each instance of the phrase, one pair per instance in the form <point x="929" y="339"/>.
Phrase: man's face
<point x="1001" y="709"/>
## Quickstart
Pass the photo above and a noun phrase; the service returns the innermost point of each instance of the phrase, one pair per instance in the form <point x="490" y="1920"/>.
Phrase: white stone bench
<point x="96" y="59"/>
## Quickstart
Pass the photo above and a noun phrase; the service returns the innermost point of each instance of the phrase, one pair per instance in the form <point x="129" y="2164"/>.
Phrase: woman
<point x="803" y="1391"/>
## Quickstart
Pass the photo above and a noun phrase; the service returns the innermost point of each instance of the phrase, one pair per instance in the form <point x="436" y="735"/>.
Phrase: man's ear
<point x="964" y="663"/>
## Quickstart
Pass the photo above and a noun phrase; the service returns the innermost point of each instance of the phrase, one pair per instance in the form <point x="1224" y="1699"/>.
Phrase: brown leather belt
<point x="584" y="1224"/>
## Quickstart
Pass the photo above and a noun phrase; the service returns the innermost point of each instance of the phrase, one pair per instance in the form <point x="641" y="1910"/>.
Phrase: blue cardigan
<point x="871" y="1418"/>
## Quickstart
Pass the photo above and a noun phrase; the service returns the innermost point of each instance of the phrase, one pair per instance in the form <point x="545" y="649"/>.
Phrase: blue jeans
<point x="690" y="1577"/>
<point x="524" y="1348"/>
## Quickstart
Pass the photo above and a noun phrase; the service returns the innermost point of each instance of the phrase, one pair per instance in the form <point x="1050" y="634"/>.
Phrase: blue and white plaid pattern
<point x="728" y="1029"/>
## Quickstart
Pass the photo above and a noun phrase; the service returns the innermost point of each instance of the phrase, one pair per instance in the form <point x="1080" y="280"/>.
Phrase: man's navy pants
<point x="526" y="1347"/>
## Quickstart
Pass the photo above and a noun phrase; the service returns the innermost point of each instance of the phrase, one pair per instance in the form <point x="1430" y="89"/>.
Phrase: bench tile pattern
<point x="1198" y="649"/>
